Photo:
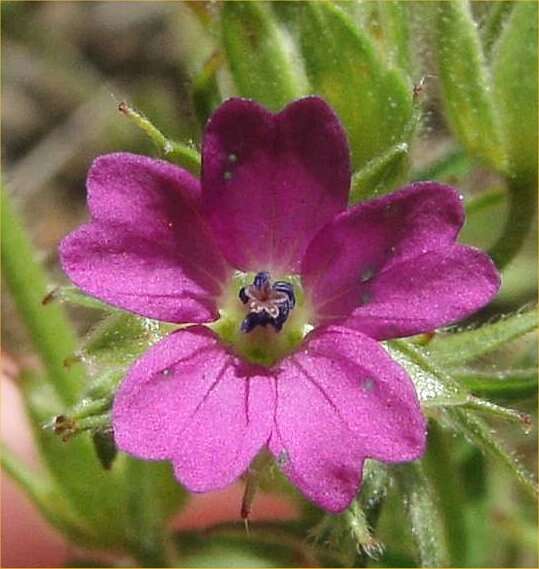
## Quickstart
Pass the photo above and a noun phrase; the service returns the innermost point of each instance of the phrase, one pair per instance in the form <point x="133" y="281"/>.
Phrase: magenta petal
<point x="341" y="399"/>
<point x="191" y="401"/>
<point x="146" y="249"/>
<point x="391" y="266"/>
<point x="270" y="182"/>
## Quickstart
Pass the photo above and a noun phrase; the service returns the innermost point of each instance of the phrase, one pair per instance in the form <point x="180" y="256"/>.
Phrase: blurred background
<point x="65" y="68"/>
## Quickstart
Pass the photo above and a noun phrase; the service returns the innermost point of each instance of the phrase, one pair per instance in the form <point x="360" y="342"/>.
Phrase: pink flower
<point x="262" y="250"/>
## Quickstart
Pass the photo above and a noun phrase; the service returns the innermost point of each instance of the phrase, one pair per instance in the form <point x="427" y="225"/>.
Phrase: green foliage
<point x="424" y="515"/>
<point x="259" y="58"/>
<point x="515" y="89"/>
<point x="465" y="82"/>
<point x="459" y="347"/>
<point x="373" y="101"/>
<point x="362" y="58"/>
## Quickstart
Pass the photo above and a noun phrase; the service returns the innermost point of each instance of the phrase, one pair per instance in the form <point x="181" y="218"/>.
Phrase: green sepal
<point x="373" y="101"/>
<point x="424" y="515"/>
<point x="433" y="385"/>
<point x="465" y="82"/>
<point x="478" y="433"/>
<point x="346" y="536"/>
<point x="380" y="175"/>
<point x="259" y="57"/>
<point x="457" y="348"/>
<point x="116" y="341"/>
<point x="73" y="295"/>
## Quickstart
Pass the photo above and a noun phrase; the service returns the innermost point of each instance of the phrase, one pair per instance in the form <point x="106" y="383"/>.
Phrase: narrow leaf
<point x="465" y="82"/>
<point x="259" y="56"/>
<point x="459" y="347"/>
<point x="478" y="433"/>
<point x="426" y="522"/>
<point x="442" y="467"/>
<point x="394" y="15"/>
<point x="373" y="101"/>
<point x="497" y="17"/>
<point x="500" y="385"/>
<point x="515" y="88"/>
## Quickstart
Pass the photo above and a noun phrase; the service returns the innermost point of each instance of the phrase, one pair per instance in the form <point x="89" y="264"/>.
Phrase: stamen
<point x="267" y="303"/>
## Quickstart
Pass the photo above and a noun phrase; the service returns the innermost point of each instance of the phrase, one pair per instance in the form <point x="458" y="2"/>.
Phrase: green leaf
<point x="515" y="88"/>
<point x="151" y="495"/>
<point x="260" y="58"/>
<point x="173" y="151"/>
<point x="373" y="101"/>
<point x="478" y="433"/>
<point x="485" y="201"/>
<point x="465" y="82"/>
<point x="441" y="466"/>
<point x="394" y="16"/>
<point x="425" y="518"/>
<point x="496" y="19"/>
<point x="459" y="347"/>
<point x="500" y="385"/>
<point x="381" y="175"/>
<point x="453" y="166"/>
<point x="434" y="387"/>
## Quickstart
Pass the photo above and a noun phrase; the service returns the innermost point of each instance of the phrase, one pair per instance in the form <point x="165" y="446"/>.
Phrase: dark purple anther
<point x="267" y="303"/>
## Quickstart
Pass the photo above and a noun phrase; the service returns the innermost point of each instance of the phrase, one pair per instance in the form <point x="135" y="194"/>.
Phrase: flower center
<point x="262" y="319"/>
<point x="268" y="303"/>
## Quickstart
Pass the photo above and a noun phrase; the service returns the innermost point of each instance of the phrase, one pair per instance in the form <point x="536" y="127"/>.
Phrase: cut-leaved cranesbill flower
<point x="287" y="292"/>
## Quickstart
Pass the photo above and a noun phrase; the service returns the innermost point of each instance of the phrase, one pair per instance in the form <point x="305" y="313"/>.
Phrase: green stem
<point x="522" y="208"/>
<point x="174" y="151"/>
<point x="49" y="327"/>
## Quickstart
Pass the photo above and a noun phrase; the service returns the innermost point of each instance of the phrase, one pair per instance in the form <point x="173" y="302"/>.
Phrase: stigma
<point x="267" y="302"/>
